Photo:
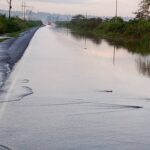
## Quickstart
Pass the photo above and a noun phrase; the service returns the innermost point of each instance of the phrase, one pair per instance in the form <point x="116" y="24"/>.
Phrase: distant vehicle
<point x="49" y="23"/>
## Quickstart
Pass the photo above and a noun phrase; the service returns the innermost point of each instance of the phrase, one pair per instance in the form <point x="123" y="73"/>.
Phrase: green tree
<point x="144" y="10"/>
<point x="78" y="18"/>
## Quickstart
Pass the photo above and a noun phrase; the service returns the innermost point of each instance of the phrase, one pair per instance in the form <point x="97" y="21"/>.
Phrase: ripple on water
<point x="3" y="147"/>
<point x="19" y="91"/>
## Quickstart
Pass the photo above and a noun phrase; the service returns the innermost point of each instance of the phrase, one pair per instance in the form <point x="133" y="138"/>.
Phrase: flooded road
<point x="68" y="93"/>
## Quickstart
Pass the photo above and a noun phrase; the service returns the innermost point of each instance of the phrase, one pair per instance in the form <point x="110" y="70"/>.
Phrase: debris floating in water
<point x="105" y="91"/>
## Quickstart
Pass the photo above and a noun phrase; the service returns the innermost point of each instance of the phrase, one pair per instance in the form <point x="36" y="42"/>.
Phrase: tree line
<point x="144" y="10"/>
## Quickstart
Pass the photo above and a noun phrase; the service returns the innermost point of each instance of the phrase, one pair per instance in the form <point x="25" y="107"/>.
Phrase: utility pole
<point x="67" y="25"/>
<point x="23" y="10"/>
<point x="30" y="15"/>
<point x="10" y="7"/>
<point x="116" y="8"/>
<point x="24" y="6"/>
<point x="86" y="16"/>
<point x="30" y="12"/>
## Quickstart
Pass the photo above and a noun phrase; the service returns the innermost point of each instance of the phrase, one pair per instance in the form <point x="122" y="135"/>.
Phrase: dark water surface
<point x="72" y="93"/>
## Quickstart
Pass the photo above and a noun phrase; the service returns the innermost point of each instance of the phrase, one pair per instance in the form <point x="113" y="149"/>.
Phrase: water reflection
<point x="85" y="46"/>
<point x="81" y="37"/>
<point x="142" y="62"/>
<point x="132" y="47"/>
<point x="143" y="65"/>
<point x="114" y="55"/>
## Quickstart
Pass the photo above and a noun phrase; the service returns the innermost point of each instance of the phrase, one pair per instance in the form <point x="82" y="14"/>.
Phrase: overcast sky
<point x="92" y="7"/>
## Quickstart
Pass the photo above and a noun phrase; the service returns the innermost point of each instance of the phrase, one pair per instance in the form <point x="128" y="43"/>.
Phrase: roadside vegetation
<point x="135" y="32"/>
<point x="14" y="25"/>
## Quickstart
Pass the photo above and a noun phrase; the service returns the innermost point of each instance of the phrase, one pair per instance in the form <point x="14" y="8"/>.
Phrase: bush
<point x="15" y="24"/>
<point x="3" y="22"/>
<point x="137" y="28"/>
<point x="112" y="27"/>
<point x="133" y="29"/>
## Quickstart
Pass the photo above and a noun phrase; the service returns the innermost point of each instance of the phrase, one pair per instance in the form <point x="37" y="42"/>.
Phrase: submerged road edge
<point x="11" y="51"/>
<point x="15" y="49"/>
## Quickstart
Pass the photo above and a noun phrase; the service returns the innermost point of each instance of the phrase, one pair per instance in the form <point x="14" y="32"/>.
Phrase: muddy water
<point x="82" y="95"/>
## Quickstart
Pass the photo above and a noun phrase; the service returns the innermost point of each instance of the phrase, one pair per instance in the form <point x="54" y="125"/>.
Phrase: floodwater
<point x="71" y="93"/>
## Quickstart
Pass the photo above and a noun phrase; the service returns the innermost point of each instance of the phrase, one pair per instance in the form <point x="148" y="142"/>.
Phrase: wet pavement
<point x="63" y="96"/>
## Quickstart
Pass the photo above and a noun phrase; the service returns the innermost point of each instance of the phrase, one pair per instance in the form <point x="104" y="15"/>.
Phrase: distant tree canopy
<point x="78" y="18"/>
<point x="144" y="10"/>
<point x="15" y="24"/>
<point x="116" y="19"/>
<point x="86" y="22"/>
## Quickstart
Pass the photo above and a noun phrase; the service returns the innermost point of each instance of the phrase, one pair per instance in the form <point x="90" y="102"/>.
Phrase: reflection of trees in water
<point x="114" y="56"/>
<point x="83" y="37"/>
<point x="134" y="47"/>
<point x="143" y="64"/>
